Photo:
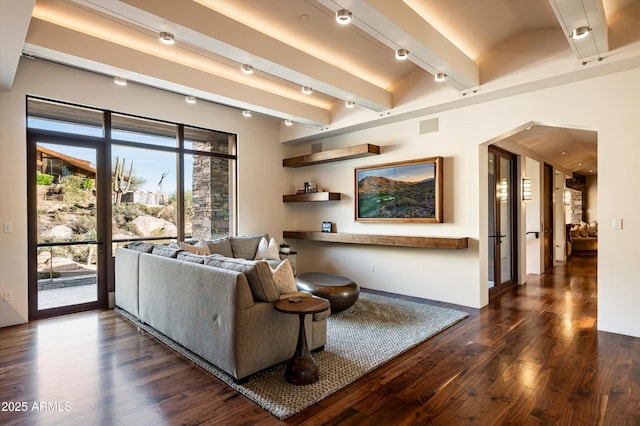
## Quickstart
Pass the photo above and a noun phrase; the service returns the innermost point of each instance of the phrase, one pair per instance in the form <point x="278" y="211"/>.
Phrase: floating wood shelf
<point x="331" y="155"/>
<point x="380" y="240"/>
<point x="313" y="196"/>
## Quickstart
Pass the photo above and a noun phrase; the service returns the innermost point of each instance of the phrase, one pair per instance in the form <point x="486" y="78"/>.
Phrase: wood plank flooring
<point x="532" y="357"/>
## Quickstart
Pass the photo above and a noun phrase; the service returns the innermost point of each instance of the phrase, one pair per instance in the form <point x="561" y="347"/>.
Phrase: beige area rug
<point x="370" y="333"/>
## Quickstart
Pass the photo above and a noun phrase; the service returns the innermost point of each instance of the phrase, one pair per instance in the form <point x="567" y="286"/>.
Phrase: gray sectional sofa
<point x="219" y="307"/>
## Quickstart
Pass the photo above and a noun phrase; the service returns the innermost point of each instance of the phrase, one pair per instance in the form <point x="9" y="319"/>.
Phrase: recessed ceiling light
<point x="563" y="153"/>
<point x="440" y="77"/>
<point x="246" y="113"/>
<point x="246" y="68"/>
<point x="579" y="164"/>
<point x="343" y="16"/>
<point x="120" y="81"/>
<point x="580" y="32"/>
<point x="167" y="38"/>
<point x="190" y="99"/>
<point x="288" y="122"/>
<point x="307" y="90"/>
<point x="350" y="104"/>
<point x="402" y="54"/>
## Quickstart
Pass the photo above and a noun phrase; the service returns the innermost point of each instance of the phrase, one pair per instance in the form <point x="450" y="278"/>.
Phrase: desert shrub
<point x="74" y="191"/>
<point x="44" y="179"/>
<point x="83" y="224"/>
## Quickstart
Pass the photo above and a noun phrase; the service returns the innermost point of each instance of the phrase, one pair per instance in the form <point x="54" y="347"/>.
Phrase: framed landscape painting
<point x="408" y="191"/>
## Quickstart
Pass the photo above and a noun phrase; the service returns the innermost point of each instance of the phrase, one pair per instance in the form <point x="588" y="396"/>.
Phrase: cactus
<point x="120" y="184"/>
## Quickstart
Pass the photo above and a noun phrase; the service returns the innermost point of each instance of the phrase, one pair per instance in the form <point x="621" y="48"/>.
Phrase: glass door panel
<point x="501" y="244"/>
<point x="506" y="215"/>
<point x="66" y="230"/>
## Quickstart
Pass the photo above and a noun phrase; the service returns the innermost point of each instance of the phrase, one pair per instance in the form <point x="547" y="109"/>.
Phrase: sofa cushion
<point x="141" y="247"/>
<point x="245" y="246"/>
<point x="267" y="250"/>
<point x="190" y="257"/>
<point x="221" y="246"/>
<point x="199" y="247"/>
<point x="162" y="250"/>
<point x="258" y="275"/>
<point x="593" y="229"/>
<point x="283" y="278"/>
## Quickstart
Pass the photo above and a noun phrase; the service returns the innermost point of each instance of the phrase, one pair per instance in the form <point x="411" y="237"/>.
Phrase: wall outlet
<point x="8" y="296"/>
<point x="7" y="227"/>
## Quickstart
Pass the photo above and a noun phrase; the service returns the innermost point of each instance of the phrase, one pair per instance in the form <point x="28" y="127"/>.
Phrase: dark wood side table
<point x="302" y="369"/>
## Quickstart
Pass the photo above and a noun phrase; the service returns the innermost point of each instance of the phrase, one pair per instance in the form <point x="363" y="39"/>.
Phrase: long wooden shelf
<point x="338" y="154"/>
<point x="313" y="196"/>
<point x="380" y="240"/>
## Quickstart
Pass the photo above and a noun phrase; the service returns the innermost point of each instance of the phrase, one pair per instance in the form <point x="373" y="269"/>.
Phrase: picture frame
<point x="405" y="191"/>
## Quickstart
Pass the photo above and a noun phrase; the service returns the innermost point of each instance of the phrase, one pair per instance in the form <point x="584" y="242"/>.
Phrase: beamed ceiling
<point x="486" y="48"/>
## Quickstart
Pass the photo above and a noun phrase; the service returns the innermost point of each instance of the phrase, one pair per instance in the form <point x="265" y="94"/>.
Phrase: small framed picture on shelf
<point x="326" y="226"/>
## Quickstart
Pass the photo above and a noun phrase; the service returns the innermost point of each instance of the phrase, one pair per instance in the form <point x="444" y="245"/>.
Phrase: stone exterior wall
<point x="211" y="184"/>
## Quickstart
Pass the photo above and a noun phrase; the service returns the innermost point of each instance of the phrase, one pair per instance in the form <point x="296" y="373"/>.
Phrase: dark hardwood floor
<point x="532" y="357"/>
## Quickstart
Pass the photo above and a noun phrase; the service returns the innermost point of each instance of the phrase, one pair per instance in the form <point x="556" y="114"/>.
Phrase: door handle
<point x="499" y="237"/>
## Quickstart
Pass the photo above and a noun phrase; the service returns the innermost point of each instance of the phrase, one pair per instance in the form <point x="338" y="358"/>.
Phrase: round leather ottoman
<point x="341" y="292"/>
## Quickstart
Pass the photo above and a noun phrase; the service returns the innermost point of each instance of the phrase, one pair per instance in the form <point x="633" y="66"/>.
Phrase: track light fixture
<point x="246" y="68"/>
<point x="288" y="122"/>
<point x="350" y="104"/>
<point x="120" y="81"/>
<point x="190" y="99"/>
<point x="246" y="113"/>
<point x="580" y="32"/>
<point x="402" y="54"/>
<point x="440" y="77"/>
<point x="343" y="16"/>
<point x="307" y="90"/>
<point x="167" y="38"/>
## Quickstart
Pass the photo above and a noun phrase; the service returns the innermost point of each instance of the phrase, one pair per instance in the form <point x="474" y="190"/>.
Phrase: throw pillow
<point x="198" y="248"/>
<point x="574" y="230"/>
<point x="245" y="246"/>
<point x="583" y="231"/>
<point x="268" y="251"/>
<point x="221" y="246"/>
<point x="593" y="229"/>
<point x="283" y="277"/>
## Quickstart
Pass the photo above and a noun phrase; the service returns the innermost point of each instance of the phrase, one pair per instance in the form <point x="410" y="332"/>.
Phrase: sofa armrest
<point x="126" y="280"/>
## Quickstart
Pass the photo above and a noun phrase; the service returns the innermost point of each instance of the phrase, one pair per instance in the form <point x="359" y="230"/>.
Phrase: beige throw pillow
<point x="268" y="251"/>
<point x="583" y="231"/>
<point x="283" y="277"/>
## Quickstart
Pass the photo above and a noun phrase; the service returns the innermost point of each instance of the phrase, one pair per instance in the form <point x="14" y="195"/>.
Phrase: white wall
<point x="606" y="106"/>
<point x="261" y="182"/>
